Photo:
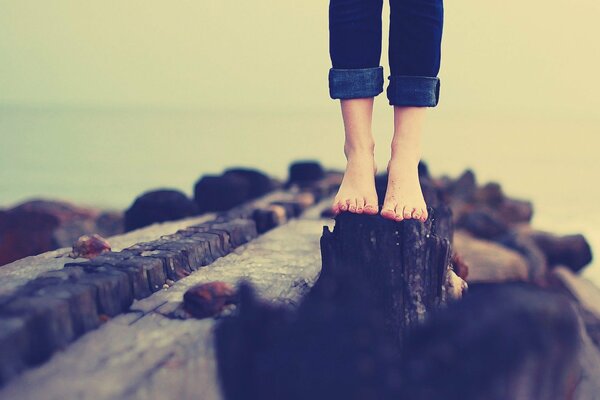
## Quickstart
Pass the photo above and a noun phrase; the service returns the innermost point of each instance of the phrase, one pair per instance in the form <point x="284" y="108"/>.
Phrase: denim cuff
<point x="355" y="83"/>
<point x="418" y="91"/>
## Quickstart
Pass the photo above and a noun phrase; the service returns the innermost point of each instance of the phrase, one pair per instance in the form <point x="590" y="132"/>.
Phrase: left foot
<point x="404" y="197"/>
<point x="357" y="192"/>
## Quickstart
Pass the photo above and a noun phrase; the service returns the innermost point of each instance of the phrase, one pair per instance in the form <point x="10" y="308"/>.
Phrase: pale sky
<point x="513" y="55"/>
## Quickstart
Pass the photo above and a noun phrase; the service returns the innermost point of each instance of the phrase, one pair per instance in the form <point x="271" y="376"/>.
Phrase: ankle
<point x="407" y="151"/>
<point x="359" y="149"/>
<point x="404" y="158"/>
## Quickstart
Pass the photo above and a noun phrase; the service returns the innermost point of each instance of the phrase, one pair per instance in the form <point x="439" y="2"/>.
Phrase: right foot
<point x="357" y="192"/>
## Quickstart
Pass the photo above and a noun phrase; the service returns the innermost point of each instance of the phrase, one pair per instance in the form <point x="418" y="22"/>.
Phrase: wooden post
<point x="403" y="263"/>
<point x="343" y="340"/>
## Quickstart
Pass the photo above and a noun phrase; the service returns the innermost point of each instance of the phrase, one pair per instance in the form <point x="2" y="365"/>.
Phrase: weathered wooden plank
<point x="143" y="354"/>
<point x="81" y="301"/>
<point x="107" y="285"/>
<point x="197" y="253"/>
<point x="240" y="230"/>
<point x="14" y="343"/>
<point x="215" y="242"/>
<point x="176" y="263"/>
<point x="47" y="325"/>
<point x="114" y="292"/>
<point x="20" y="272"/>
<point x="154" y="269"/>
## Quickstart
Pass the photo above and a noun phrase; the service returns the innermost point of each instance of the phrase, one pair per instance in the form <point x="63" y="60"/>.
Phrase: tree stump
<point x="403" y="263"/>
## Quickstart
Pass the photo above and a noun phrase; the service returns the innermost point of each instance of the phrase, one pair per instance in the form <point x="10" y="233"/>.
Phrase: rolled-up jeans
<point x="355" y="35"/>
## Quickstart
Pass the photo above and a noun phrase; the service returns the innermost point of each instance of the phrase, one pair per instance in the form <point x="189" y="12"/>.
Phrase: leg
<point x="414" y="54"/>
<point x="355" y="33"/>
<point x="403" y="196"/>
<point x="414" y="50"/>
<point x="357" y="191"/>
<point x="356" y="78"/>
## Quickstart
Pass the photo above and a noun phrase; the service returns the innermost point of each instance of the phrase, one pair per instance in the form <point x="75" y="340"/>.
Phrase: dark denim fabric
<point x="423" y="91"/>
<point x="355" y="34"/>
<point x="355" y="83"/>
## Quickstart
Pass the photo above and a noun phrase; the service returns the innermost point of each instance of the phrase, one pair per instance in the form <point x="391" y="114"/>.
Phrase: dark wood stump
<point x="403" y="263"/>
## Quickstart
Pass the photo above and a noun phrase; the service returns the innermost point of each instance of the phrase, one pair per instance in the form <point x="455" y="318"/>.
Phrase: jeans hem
<point x="418" y="91"/>
<point x="355" y="83"/>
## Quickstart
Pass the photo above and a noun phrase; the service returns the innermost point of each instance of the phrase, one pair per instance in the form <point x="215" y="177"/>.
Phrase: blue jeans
<point x="355" y="34"/>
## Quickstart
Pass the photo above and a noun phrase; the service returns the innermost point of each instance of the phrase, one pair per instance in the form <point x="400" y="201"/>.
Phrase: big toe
<point x="388" y="212"/>
<point x="371" y="209"/>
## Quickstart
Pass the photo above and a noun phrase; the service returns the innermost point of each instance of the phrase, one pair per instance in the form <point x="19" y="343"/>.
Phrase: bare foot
<point x="357" y="192"/>
<point x="404" y="197"/>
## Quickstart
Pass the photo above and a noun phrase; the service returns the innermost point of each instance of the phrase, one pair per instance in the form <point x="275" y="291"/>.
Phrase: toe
<point x="344" y="205"/>
<point x="388" y="209"/>
<point x="360" y="205"/>
<point x="371" y="209"/>
<point x="388" y="212"/>
<point x="398" y="213"/>
<point x="371" y="206"/>
<point x="416" y="214"/>
<point x="407" y="212"/>
<point x="352" y="205"/>
<point x="425" y="215"/>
